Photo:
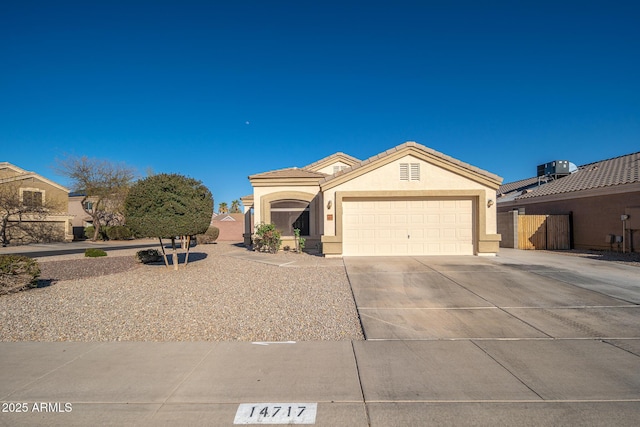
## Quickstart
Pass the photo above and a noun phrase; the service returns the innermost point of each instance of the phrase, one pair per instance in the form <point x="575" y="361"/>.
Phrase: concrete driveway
<point x="517" y="295"/>
<point x="521" y="339"/>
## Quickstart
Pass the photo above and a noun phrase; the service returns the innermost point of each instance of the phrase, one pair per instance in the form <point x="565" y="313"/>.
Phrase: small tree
<point x="169" y="205"/>
<point x="222" y="208"/>
<point x="103" y="184"/>
<point x="235" y="206"/>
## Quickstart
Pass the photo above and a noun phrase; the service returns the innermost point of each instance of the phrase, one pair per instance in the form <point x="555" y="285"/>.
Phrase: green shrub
<point x="210" y="236"/>
<point x="88" y="232"/>
<point x="118" y="232"/>
<point x="146" y="256"/>
<point x="300" y="241"/>
<point x="17" y="272"/>
<point x="267" y="238"/>
<point x="94" y="252"/>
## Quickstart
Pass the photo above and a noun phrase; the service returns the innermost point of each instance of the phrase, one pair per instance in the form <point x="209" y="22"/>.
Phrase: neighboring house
<point x="409" y="200"/>
<point x="597" y="196"/>
<point x="81" y="219"/>
<point x="51" y="224"/>
<point x="231" y="226"/>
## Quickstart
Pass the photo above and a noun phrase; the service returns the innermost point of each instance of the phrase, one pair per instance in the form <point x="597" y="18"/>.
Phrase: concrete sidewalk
<point x="383" y="383"/>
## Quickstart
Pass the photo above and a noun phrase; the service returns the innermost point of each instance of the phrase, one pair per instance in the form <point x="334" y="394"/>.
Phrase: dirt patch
<point x="82" y="268"/>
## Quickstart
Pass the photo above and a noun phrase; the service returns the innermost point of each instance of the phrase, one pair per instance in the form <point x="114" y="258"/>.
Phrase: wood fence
<point x="543" y="232"/>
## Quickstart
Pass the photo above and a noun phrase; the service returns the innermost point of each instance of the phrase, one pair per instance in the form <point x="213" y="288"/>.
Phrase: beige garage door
<point x="407" y="227"/>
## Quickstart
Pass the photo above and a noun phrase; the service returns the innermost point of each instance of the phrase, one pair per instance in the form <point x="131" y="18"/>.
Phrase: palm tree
<point x="222" y="208"/>
<point x="235" y="206"/>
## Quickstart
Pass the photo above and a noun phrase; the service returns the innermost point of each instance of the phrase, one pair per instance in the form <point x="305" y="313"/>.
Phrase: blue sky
<point x="219" y="90"/>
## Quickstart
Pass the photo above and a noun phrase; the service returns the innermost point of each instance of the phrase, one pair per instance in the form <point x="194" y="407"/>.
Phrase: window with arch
<point x="288" y="215"/>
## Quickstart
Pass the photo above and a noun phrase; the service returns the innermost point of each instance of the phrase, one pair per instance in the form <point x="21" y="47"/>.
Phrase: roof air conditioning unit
<point x="557" y="167"/>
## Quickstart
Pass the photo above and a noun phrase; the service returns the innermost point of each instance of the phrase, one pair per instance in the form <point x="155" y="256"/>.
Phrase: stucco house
<point x="409" y="200"/>
<point x="602" y="199"/>
<point x="48" y="220"/>
<point x="231" y="226"/>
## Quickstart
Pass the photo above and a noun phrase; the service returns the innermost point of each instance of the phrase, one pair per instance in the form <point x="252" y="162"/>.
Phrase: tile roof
<point x="337" y="156"/>
<point x="605" y="173"/>
<point x="517" y="185"/>
<point x="289" y="173"/>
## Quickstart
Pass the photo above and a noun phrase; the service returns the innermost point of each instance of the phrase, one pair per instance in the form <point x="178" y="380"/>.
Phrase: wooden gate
<point x="543" y="232"/>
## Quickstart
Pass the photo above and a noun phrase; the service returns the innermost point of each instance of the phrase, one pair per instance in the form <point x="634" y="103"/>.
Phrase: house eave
<point x="580" y="194"/>
<point x="288" y="182"/>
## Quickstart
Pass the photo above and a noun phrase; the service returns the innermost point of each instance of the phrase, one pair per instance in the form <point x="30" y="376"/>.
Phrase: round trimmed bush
<point x="209" y="236"/>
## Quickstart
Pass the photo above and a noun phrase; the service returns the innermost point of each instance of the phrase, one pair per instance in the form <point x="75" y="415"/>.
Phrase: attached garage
<point x="396" y="227"/>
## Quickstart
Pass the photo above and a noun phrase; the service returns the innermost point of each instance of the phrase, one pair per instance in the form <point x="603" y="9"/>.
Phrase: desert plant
<point x="118" y="232"/>
<point x="146" y="256"/>
<point x="300" y="241"/>
<point x="209" y="236"/>
<point x="267" y="238"/>
<point x="94" y="252"/>
<point x="89" y="231"/>
<point x="17" y="272"/>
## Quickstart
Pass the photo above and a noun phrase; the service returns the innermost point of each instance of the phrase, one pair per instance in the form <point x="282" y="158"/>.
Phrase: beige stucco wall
<point x="387" y="178"/>
<point x="329" y="169"/>
<point x="54" y="226"/>
<point x="52" y="194"/>
<point x="7" y="173"/>
<point x="261" y="192"/>
<point x="80" y="217"/>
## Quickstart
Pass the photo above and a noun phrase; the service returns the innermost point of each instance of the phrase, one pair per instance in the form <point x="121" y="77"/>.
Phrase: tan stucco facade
<point x="379" y="178"/>
<point x="55" y="224"/>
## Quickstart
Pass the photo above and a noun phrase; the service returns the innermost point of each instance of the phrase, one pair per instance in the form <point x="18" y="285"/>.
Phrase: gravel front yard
<point x="215" y="298"/>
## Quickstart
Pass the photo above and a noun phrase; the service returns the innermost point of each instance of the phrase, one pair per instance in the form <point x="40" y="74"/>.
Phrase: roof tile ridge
<point x="610" y="159"/>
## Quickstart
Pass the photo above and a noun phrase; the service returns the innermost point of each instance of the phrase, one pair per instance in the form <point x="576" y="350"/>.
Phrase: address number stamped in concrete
<point x="276" y="413"/>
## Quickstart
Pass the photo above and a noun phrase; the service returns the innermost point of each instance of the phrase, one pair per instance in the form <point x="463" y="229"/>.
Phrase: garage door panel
<point x="417" y="219"/>
<point x="350" y="219"/>
<point x="433" y="219"/>
<point x="448" y="218"/>
<point x="400" y="219"/>
<point x="408" y="227"/>
<point x="384" y="233"/>
<point x="384" y="219"/>
<point x="400" y="249"/>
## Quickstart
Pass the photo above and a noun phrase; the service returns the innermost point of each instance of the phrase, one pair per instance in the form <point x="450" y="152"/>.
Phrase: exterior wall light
<point x="490" y="203"/>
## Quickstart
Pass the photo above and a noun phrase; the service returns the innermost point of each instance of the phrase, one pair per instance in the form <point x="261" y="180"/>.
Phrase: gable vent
<point x="409" y="171"/>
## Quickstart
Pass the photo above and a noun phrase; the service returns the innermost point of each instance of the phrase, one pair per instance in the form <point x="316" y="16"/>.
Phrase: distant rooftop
<point x="604" y="173"/>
